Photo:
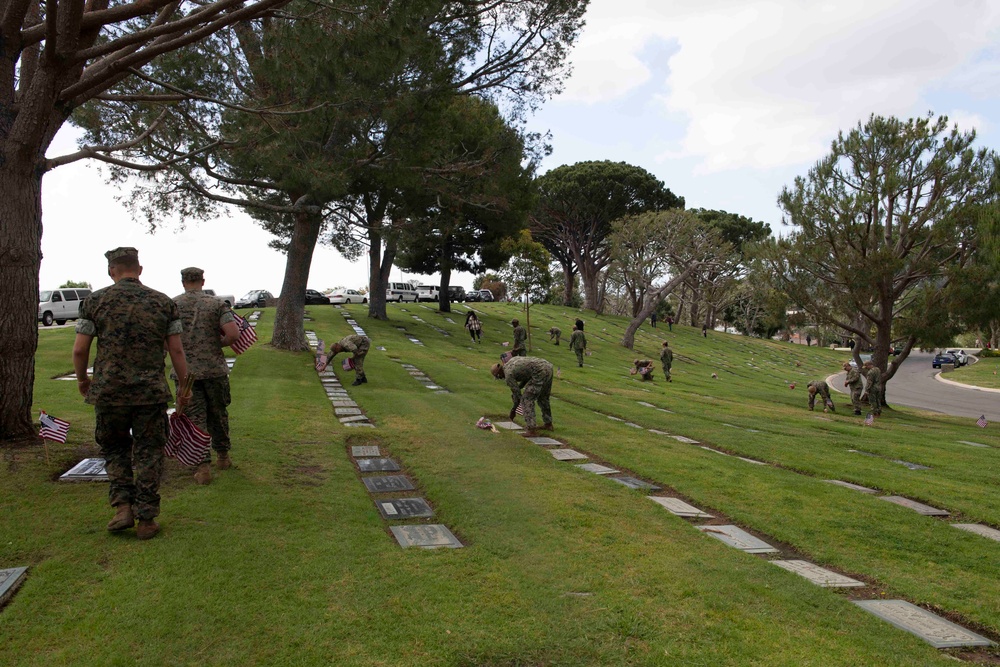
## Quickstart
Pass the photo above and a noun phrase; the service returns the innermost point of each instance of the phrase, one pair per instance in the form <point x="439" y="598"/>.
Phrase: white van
<point x="400" y="292"/>
<point x="428" y="292"/>
<point x="59" y="305"/>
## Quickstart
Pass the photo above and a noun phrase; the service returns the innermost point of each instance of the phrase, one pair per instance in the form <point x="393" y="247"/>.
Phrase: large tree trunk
<point x="20" y="261"/>
<point x="653" y="297"/>
<point x="568" y="275"/>
<point x="379" y="267"/>
<point x="590" y="275"/>
<point x="444" y="302"/>
<point x="289" y="329"/>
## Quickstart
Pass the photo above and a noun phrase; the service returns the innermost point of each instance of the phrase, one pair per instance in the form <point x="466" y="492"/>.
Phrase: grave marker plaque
<point x="848" y="485"/>
<point x="911" y="466"/>
<point x="567" y="455"/>
<point x="10" y="580"/>
<point x="680" y="508"/>
<point x="364" y="451"/>
<point x="972" y="444"/>
<point x="653" y="430"/>
<point x="353" y="419"/>
<point x="384" y="483"/>
<point x="343" y="404"/>
<point x="347" y="411"/>
<point x="433" y="536"/>
<point x="596" y="468"/>
<point x="87" y="470"/>
<point x="543" y="441"/>
<point x="738" y="538"/>
<point x="633" y="483"/>
<point x="510" y="426"/>
<point x="377" y="465"/>
<point x="404" y="508"/>
<point x="979" y="529"/>
<point x="687" y="441"/>
<point x="361" y="424"/>
<point x="933" y="629"/>
<point x="919" y="508"/>
<point x="753" y="461"/>
<point x="818" y="575"/>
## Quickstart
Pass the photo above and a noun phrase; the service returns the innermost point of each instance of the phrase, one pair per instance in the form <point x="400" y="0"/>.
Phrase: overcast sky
<point x="726" y="101"/>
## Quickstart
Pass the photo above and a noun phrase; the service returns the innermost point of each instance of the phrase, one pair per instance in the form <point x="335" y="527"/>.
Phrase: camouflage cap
<point x="514" y="322"/>
<point x="112" y="255"/>
<point x="192" y="274"/>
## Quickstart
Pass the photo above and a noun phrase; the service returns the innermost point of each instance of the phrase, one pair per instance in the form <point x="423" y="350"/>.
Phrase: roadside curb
<point x="972" y="387"/>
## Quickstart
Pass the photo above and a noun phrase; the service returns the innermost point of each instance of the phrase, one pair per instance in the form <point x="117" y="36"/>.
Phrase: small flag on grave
<point x="505" y="357"/>
<point x="248" y="335"/>
<point x="869" y="419"/>
<point x="519" y="410"/>
<point x="53" y="428"/>
<point x="187" y="443"/>
<point x="981" y="422"/>
<point x="348" y="364"/>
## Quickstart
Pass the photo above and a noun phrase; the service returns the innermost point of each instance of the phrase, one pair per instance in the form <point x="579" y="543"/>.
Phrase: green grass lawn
<point x="983" y="373"/>
<point x="285" y="559"/>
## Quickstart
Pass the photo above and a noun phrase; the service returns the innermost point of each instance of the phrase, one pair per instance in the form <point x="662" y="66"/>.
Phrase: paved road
<point x="914" y="385"/>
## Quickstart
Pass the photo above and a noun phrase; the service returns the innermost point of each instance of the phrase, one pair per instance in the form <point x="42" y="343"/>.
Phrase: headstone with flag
<point x="248" y="335"/>
<point x="981" y="422"/>
<point x="53" y="428"/>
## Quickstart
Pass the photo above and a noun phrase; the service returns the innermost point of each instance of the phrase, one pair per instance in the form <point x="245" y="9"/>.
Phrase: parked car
<point x="485" y="295"/>
<point x="961" y="358"/>
<point x="944" y="358"/>
<point x="347" y="296"/>
<point x="864" y="358"/>
<point x="314" y="297"/>
<point x="59" y="305"/>
<point x="228" y="299"/>
<point x="473" y="295"/>
<point x="430" y="293"/>
<point x="253" y="299"/>
<point x="456" y="293"/>
<point x="400" y="292"/>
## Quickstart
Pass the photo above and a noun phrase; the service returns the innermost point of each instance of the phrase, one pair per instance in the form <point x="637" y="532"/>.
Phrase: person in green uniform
<point x="556" y="333"/>
<point x="667" y="359"/>
<point x="358" y="347"/>
<point x="209" y="326"/>
<point x="823" y="389"/>
<point x="873" y="376"/>
<point x="132" y="324"/>
<point x="530" y="380"/>
<point x="578" y="343"/>
<point x="853" y="381"/>
<point x="520" y="339"/>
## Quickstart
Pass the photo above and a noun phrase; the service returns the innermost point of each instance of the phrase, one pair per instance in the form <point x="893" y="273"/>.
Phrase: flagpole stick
<point x="45" y="444"/>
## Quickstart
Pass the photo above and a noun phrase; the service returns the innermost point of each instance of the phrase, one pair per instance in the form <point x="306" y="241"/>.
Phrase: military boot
<point x="223" y="462"/>
<point x="357" y="382"/>
<point x="203" y="473"/>
<point x="548" y="426"/>
<point x="147" y="529"/>
<point x="123" y="520"/>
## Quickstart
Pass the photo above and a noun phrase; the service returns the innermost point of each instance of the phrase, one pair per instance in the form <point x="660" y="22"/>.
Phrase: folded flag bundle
<point x="53" y="428"/>
<point x="187" y="443"/>
<point x="248" y="335"/>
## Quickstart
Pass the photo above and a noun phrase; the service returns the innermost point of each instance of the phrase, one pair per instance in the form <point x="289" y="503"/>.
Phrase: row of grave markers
<point x="423" y="379"/>
<point x="933" y="629"/>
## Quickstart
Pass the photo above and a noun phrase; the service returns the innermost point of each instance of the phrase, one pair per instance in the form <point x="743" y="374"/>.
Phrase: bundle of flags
<point x="981" y="422"/>
<point x="248" y="335"/>
<point x="187" y="443"/>
<point x="505" y="357"/>
<point x="53" y="428"/>
<point x="348" y="364"/>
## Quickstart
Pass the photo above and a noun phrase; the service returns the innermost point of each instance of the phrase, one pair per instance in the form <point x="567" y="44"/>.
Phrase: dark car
<point x="456" y="293"/>
<point x="943" y="359"/>
<point x="314" y="297"/>
<point x="473" y="295"/>
<point x="253" y="299"/>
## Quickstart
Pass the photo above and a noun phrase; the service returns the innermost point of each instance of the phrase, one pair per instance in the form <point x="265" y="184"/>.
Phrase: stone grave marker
<point x="365" y="451"/>
<point x="632" y="425"/>
<point x="353" y="419"/>
<point x="919" y="508"/>
<point x="617" y="419"/>
<point x="10" y="580"/>
<point x="596" y="468"/>
<point x="933" y="629"/>
<point x="567" y="455"/>
<point x="384" y="483"/>
<point x="979" y="529"/>
<point x="972" y="444"/>
<point x="753" y="461"/>
<point x="633" y="483"/>
<point x="818" y="575"/>
<point x="653" y="430"/>
<point x="543" y="441"/>
<point x="347" y="411"/>
<point x="681" y="438"/>
<point x="738" y="538"/>
<point x="343" y="404"/>
<point x="377" y="464"/>
<point x="715" y="451"/>
<point x="361" y="424"/>
<point x="679" y="507"/>
<point x="848" y="485"/>
<point x="431" y="536"/>
<point x="510" y="426"/>
<point x="404" y="508"/>
<point x="646" y="405"/>
<point x="911" y="466"/>
<point x="87" y="470"/>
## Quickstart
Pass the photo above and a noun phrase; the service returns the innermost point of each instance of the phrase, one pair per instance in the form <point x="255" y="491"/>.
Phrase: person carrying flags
<point x="209" y="325"/>
<point x="358" y="347"/>
<point x="132" y="324"/>
<point x="530" y="380"/>
<point x="823" y="389"/>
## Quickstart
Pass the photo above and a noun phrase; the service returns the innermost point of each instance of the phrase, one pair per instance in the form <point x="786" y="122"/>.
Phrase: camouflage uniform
<point x="854" y="382"/>
<point x="203" y="316"/>
<point x="534" y="376"/>
<point x="667" y="359"/>
<point x="358" y="347"/>
<point x="821" y="388"/>
<point x="874" y="377"/>
<point x="578" y="343"/>
<point x="555" y="332"/>
<point x="520" y="336"/>
<point x="644" y="368"/>
<point x="129" y="390"/>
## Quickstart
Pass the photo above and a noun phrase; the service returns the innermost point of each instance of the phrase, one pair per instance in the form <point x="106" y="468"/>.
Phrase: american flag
<point x="519" y="410"/>
<point x="52" y="428"/>
<point x="187" y="443"/>
<point x="505" y="357"/>
<point x="248" y="335"/>
<point x="348" y="364"/>
<point x="981" y="422"/>
<point x="869" y="419"/>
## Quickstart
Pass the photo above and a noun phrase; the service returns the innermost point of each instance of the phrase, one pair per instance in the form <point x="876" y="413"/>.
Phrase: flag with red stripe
<point x="53" y="428"/>
<point x="981" y="422"/>
<point x="248" y="335"/>
<point x="187" y="443"/>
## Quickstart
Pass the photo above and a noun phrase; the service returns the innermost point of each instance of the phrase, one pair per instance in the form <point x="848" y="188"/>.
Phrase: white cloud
<point x="768" y="83"/>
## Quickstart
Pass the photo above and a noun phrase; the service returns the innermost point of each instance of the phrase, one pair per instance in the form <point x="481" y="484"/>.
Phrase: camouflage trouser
<point x="666" y="372"/>
<point x="579" y="356"/>
<point x="556" y="336"/>
<point x="359" y="360"/>
<point x="538" y="389"/>
<point x="824" y="392"/>
<point x="519" y="352"/>
<point x="875" y="400"/>
<point x="856" y="398"/>
<point x="123" y="455"/>
<point x="207" y="409"/>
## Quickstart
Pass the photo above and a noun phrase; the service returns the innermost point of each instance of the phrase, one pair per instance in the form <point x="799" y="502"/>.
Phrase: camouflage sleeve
<point x="176" y="325"/>
<point x="85" y="325"/>
<point x="226" y="315"/>
<point x="515" y="390"/>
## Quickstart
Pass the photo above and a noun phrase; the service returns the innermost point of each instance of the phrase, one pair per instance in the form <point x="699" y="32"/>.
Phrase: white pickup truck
<point x="228" y="298"/>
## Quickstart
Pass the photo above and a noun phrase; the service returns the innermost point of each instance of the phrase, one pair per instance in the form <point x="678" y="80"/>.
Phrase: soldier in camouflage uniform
<point x="644" y="368"/>
<point x="209" y="326"/>
<point x="667" y="359"/>
<point x="854" y="382"/>
<point x="520" y="337"/>
<point x="555" y="332"/>
<point x="129" y="392"/>
<point x="358" y="347"/>
<point x="823" y="389"/>
<point x="873" y="376"/>
<point x="530" y="380"/>
<point x="578" y="343"/>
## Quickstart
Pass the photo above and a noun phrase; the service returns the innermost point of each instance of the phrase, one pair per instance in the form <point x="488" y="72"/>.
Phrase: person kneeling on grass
<point x="358" y="347"/>
<point x="644" y="367"/>
<point x="530" y="380"/>
<point x="823" y="389"/>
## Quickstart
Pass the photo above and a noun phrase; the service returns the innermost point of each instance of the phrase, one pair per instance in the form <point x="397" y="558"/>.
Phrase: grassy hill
<point x="285" y="560"/>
